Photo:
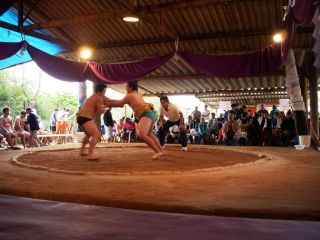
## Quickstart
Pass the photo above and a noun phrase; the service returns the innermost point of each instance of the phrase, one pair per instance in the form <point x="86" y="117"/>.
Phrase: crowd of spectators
<point x="28" y="128"/>
<point x="234" y="127"/>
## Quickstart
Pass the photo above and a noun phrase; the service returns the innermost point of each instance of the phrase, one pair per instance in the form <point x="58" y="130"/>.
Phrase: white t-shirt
<point x="172" y="114"/>
<point x="206" y="115"/>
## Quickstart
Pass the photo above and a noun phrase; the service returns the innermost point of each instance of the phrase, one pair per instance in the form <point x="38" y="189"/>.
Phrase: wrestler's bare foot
<point x="158" y="155"/>
<point x="92" y="158"/>
<point x="83" y="153"/>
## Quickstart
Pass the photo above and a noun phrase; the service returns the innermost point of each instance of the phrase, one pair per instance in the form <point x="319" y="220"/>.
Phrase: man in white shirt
<point x="174" y="117"/>
<point x="206" y="113"/>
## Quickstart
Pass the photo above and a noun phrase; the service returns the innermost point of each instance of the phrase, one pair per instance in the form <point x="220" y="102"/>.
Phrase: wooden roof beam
<point x="187" y="4"/>
<point x="76" y="20"/>
<point x="201" y="37"/>
<point x="195" y="76"/>
<point x="12" y="27"/>
<point x="215" y="94"/>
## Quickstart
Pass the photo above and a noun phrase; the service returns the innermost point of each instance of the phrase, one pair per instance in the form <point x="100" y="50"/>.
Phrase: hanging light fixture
<point x="277" y="38"/>
<point x="132" y="19"/>
<point x="85" y="53"/>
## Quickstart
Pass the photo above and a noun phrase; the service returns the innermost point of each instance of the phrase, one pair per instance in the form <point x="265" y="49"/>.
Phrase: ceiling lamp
<point x="131" y="19"/>
<point x="277" y="37"/>
<point x="85" y="53"/>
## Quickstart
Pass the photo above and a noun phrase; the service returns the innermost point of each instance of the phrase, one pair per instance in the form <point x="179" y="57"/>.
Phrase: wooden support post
<point x="313" y="92"/>
<point x="97" y="119"/>
<point x="304" y="89"/>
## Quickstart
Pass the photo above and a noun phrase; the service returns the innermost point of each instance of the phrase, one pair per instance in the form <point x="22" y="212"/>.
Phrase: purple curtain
<point x="302" y="12"/>
<point x="120" y="73"/>
<point x="243" y="65"/>
<point x="5" y="5"/>
<point x="60" y="68"/>
<point x="108" y="73"/>
<point x="8" y="49"/>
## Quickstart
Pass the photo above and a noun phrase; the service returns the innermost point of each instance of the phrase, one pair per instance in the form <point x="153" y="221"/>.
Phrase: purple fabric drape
<point x="302" y="12"/>
<point x="5" y="5"/>
<point x="60" y="68"/>
<point x="107" y="73"/>
<point x="242" y="65"/>
<point x="120" y="73"/>
<point x="8" y="49"/>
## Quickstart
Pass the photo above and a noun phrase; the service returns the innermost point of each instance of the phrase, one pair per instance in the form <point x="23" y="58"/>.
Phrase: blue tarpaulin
<point x="12" y="36"/>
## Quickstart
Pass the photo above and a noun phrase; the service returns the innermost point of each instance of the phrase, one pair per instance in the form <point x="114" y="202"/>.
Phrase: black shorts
<point x="53" y="128"/>
<point x="82" y="120"/>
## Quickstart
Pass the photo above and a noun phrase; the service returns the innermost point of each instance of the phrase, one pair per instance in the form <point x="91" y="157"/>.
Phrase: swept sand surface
<point x="267" y="183"/>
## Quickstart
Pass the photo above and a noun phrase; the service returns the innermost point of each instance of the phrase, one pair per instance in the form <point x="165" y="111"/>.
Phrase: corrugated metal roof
<point x="210" y="27"/>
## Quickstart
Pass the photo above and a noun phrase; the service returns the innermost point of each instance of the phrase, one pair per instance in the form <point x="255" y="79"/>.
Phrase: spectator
<point x="129" y="130"/>
<point x="213" y="125"/>
<point x="274" y="111"/>
<point x="196" y="114"/>
<point x="33" y="107"/>
<point x="188" y="123"/>
<point x="230" y="130"/>
<point x="253" y="132"/>
<point x="288" y="129"/>
<point x="175" y="117"/>
<point x="42" y="131"/>
<point x="202" y="130"/>
<point x="32" y="120"/>
<point x="244" y="117"/>
<point x="194" y="134"/>
<point x="108" y="122"/>
<point x="119" y="131"/>
<point x="266" y="128"/>
<point x="1" y="139"/>
<point x="53" y="120"/>
<point x="7" y="130"/>
<point x="173" y="137"/>
<point x="262" y="109"/>
<point x="19" y="126"/>
<point x="206" y="113"/>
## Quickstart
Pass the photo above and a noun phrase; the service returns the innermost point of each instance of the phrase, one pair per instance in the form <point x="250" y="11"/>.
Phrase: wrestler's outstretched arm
<point x="116" y="103"/>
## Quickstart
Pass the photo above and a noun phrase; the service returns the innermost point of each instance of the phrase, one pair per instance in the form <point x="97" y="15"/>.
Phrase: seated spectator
<point x="128" y="130"/>
<point x="7" y="130"/>
<point x="119" y="131"/>
<point x="288" y="129"/>
<point x="244" y="118"/>
<point x="188" y="123"/>
<point x="173" y="137"/>
<point x="253" y="132"/>
<point x="42" y="131"/>
<point x="108" y="122"/>
<point x="194" y="135"/>
<point x="202" y="130"/>
<point x="1" y="139"/>
<point x="19" y="126"/>
<point x="266" y="128"/>
<point x="213" y="125"/>
<point x="230" y="130"/>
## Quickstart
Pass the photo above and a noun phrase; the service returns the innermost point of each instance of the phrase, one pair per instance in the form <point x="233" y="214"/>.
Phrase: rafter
<point x="76" y="20"/>
<point x="12" y="27"/>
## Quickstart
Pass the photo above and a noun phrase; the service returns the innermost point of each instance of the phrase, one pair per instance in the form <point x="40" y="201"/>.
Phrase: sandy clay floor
<point x="231" y="181"/>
